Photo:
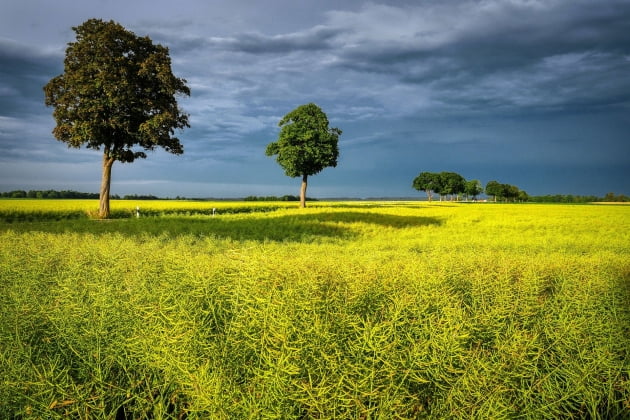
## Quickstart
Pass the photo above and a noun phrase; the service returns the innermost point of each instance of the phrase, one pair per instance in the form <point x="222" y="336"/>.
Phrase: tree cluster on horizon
<point x="505" y="192"/>
<point x="52" y="194"/>
<point x="287" y="197"/>
<point x="446" y="184"/>
<point x="453" y="184"/>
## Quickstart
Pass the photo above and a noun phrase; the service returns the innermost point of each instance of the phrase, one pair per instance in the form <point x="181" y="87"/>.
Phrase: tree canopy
<point x="118" y="94"/>
<point x="505" y="191"/>
<point x="306" y="144"/>
<point x="473" y="188"/>
<point x="442" y="183"/>
<point x="453" y="184"/>
<point x="428" y="182"/>
<point x="494" y="189"/>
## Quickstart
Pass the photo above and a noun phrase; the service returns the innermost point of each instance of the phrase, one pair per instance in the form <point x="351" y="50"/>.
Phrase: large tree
<point x="306" y="144"/>
<point x="118" y="94"/>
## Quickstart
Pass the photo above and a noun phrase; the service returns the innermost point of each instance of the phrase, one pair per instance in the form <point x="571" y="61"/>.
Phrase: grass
<point x="344" y="310"/>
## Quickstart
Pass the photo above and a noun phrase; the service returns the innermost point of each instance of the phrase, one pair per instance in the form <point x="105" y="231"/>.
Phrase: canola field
<point x="343" y="310"/>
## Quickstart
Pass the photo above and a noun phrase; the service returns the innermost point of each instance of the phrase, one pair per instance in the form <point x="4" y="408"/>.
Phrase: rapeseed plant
<point x="341" y="310"/>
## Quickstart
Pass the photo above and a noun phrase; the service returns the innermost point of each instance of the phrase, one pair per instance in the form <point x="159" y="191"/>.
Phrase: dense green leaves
<point x="505" y="191"/>
<point x="473" y="188"/>
<point x="453" y="184"/>
<point x="428" y="182"/>
<point x="306" y="144"/>
<point x="117" y="91"/>
<point x="443" y="183"/>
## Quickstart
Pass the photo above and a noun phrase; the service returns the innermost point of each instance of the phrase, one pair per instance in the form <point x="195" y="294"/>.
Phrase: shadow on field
<point x="267" y="227"/>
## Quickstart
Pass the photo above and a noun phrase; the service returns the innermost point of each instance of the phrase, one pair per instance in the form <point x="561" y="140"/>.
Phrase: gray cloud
<point x="434" y="85"/>
<point x="313" y="39"/>
<point x="23" y="74"/>
<point x="501" y="53"/>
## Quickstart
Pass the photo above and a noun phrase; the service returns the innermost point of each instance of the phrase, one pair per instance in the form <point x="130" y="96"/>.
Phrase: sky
<point x="533" y="93"/>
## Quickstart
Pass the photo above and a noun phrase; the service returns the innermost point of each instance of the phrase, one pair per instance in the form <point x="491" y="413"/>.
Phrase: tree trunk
<point x="303" y="191"/>
<point x="103" y="205"/>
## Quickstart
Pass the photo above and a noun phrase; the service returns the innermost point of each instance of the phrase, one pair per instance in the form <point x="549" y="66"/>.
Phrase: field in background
<point x="341" y="310"/>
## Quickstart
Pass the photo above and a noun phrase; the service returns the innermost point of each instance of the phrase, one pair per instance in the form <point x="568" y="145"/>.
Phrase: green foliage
<point x="505" y="191"/>
<point x="275" y="198"/>
<point x="347" y="310"/>
<point x="443" y="183"/>
<point x="611" y="197"/>
<point x="473" y="188"/>
<point x="562" y="198"/>
<point x="495" y="189"/>
<point x="428" y="182"/>
<point x="139" y="197"/>
<point x="117" y="91"/>
<point x="306" y="144"/>
<point x="451" y="183"/>
<point x="569" y="198"/>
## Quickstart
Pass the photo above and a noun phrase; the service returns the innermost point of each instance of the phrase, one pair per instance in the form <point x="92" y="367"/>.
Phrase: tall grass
<point x="378" y="311"/>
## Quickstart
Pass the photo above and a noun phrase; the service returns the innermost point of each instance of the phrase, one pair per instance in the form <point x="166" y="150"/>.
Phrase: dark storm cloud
<point x="25" y="122"/>
<point x="23" y="73"/>
<point x="314" y="39"/>
<point x="508" y="53"/>
<point x="485" y="87"/>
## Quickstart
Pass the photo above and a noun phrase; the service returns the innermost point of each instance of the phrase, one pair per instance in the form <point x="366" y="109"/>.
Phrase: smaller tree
<point x="494" y="189"/>
<point x="452" y="183"/>
<point x="473" y="188"/>
<point x="510" y="192"/>
<point x="427" y="182"/>
<point x="306" y="144"/>
<point x="523" y="196"/>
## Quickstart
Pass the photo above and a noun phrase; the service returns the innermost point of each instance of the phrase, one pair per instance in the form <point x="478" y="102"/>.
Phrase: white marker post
<point x="137" y="211"/>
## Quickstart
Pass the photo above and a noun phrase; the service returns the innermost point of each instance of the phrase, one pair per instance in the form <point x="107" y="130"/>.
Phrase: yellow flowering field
<point x="341" y="310"/>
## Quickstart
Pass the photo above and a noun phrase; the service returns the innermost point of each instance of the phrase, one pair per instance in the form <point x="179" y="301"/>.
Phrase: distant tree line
<point x="569" y="198"/>
<point x="69" y="194"/>
<point x="81" y="195"/>
<point x="453" y="185"/>
<point x="616" y="198"/>
<point x="140" y="197"/>
<point x="48" y="194"/>
<point x="447" y="184"/>
<point x="442" y="184"/>
<point x="505" y="192"/>
<point x="275" y="198"/>
<point x="472" y="189"/>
